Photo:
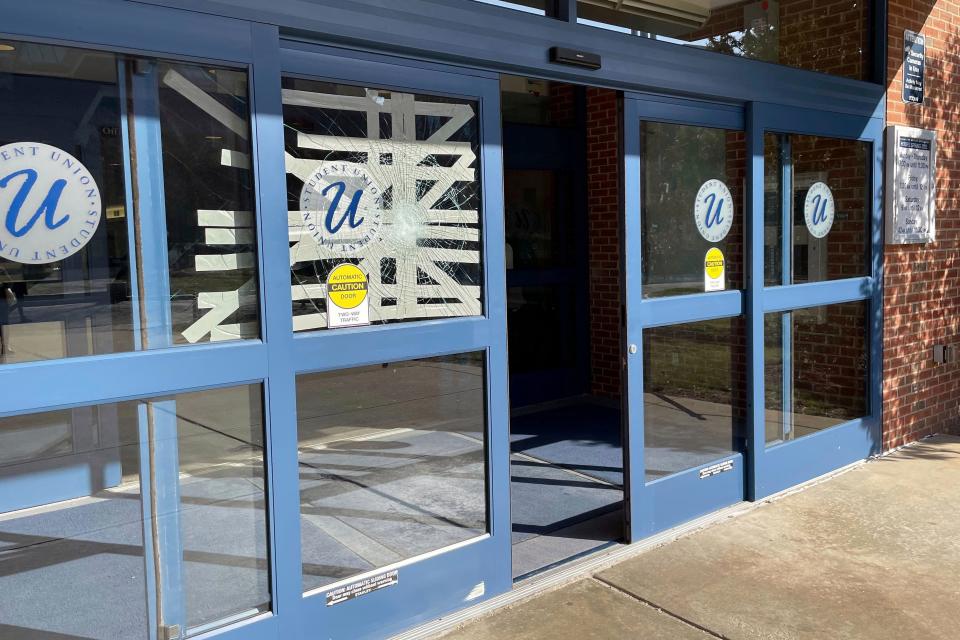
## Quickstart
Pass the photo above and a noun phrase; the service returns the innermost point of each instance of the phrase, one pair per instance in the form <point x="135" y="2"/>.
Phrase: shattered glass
<point x="390" y="182"/>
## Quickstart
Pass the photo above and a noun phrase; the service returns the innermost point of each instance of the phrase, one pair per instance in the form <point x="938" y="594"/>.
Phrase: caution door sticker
<point x="714" y="269"/>
<point x="347" y="301"/>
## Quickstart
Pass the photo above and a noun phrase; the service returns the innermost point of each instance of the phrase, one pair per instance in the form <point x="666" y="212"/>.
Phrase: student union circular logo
<point x="342" y="207"/>
<point x="713" y="210"/>
<point x="819" y="209"/>
<point x="49" y="203"/>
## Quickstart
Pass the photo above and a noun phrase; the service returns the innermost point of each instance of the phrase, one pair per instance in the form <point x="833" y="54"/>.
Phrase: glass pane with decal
<point x="392" y="463"/>
<point x="65" y="269"/>
<point x="164" y="491"/>
<point x="388" y="182"/>
<point x="209" y="200"/>
<point x="816" y="208"/>
<point x="82" y="274"/>
<point x="691" y="210"/>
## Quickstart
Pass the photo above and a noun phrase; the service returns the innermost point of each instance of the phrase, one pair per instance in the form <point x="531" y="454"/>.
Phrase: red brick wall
<point x="922" y="282"/>
<point x="603" y="204"/>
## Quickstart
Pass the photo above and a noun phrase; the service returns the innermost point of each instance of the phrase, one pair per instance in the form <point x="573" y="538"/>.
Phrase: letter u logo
<point x="714" y="216"/>
<point x="819" y="215"/>
<point x="47" y="209"/>
<point x="350" y="214"/>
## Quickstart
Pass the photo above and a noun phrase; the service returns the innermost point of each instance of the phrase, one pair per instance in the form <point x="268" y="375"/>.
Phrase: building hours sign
<point x="911" y="177"/>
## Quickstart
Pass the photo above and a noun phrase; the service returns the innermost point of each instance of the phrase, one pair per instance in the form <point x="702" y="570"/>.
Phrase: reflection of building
<point x="186" y="448"/>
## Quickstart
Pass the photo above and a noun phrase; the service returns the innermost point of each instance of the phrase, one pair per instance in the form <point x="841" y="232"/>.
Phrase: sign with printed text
<point x="713" y="210"/>
<point x="911" y="168"/>
<point x="49" y="203"/>
<point x="914" y="50"/>
<point x="363" y="587"/>
<point x="714" y="268"/>
<point x="347" y="300"/>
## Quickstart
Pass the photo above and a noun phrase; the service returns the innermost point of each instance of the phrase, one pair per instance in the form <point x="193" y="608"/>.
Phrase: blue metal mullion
<point x="875" y="133"/>
<point x="697" y="307"/>
<point x="125" y="121"/>
<point x="150" y="248"/>
<point x="639" y="506"/>
<point x="280" y="394"/>
<point x="756" y="404"/>
<point x="786" y="277"/>
<point x="151" y="576"/>
<point x="818" y="294"/>
<point x="497" y="372"/>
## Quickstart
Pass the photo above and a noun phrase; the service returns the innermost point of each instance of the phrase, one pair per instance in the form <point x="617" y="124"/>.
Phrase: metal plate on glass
<point x="716" y="469"/>
<point x="362" y="587"/>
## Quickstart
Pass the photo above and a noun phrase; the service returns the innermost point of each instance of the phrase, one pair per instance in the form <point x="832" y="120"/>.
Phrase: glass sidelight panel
<point x="82" y="274"/>
<point x="692" y="208"/>
<point x="392" y="463"/>
<point x="816" y="369"/>
<point x="180" y="533"/>
<point x="209" y="201"/>
<point x="694" y="386"/>
<point x="389" y="182"/>
<point x="816" y="209"/>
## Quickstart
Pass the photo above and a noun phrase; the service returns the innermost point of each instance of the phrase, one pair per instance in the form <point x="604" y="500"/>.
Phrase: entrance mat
<point x="583" y="437"/>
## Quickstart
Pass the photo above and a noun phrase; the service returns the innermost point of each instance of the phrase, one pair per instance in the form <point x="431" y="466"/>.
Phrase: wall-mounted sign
<point x="49" y="203"/>
<point x="342" y="206"/>
<point x="819" y="209"/>
<point x="911" y="167"/>
<point x="347" y="300"/>
<point x="714" y="268"/>
<point x="914" y="45"/>
<point x="713" y="210"/>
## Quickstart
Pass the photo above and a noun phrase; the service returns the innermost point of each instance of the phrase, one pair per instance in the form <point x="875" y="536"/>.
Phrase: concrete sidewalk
<point x="872" y="553"/>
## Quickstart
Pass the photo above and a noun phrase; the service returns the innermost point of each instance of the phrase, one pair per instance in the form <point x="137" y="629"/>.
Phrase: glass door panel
<point x="818" y="305"/>
<point x="391" y="175"/>
<point x="687" y="339"/>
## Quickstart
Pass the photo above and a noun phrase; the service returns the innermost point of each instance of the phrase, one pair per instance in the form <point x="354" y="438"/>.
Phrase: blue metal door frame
<point x="435" y="584"/>
<point x="784" y="465"/>
<point x="665" y="502"/>
<point x="761" y="470"/>
<point x="480" y="561"/>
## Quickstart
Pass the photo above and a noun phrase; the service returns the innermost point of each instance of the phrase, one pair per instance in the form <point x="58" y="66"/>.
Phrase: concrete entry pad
<point x="586" y="610"/>
<point x="872" y="553"/>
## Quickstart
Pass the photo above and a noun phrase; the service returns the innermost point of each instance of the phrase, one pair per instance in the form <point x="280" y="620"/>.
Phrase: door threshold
<point x="569" y="571"/>
<point x="598" y="561"/>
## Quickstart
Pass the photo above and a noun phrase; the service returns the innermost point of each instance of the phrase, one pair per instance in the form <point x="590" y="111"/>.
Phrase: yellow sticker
<point x="713" y="270"/>
<point x="347" y="286"/>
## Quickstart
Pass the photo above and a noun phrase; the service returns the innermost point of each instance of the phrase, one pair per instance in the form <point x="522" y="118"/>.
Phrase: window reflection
<point x="694" y="394"/>
<point x="808" y="167"/>
<point x="78" y="544"/>
<point x="830" y="38"/>
<point x="392" y="463"/>
<point x="677" y="162"/>
<point x="816" y="368"/>
<point x="79" y="305"/>
<point x="92" y="291"/>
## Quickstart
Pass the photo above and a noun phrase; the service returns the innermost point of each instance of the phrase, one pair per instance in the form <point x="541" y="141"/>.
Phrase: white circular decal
<point x="342" y="206"/>
<point x="818" y="209"/>
<point x="713" y="210"/>
<point x="49" y="203"/>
